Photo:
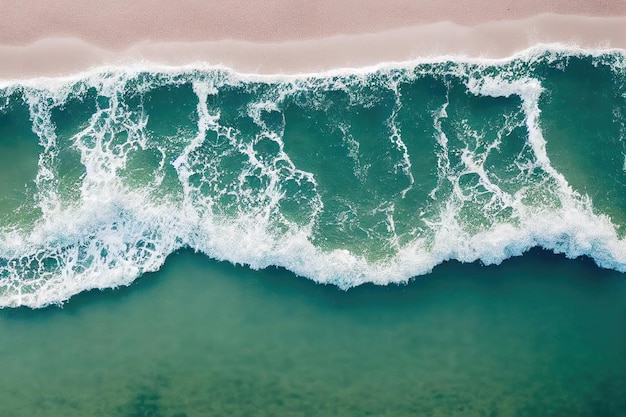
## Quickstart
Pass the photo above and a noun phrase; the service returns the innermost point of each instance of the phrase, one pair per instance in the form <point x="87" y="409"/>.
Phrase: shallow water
<point x="361" y="175"/>
<point x="536" y="336"/>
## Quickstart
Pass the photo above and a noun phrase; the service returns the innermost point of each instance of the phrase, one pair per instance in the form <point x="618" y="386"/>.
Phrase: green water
<point x="354" y="178"/>
<point x="536" y="336"/>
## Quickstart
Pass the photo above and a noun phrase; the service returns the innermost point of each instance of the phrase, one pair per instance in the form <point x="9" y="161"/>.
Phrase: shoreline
<point x="498" y="39"/>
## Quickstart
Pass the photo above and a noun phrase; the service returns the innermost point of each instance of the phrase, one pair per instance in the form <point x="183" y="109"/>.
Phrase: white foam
<point x="540" y="51"/>
<point x="396" y="138"/>
<point x="114" y="233"/>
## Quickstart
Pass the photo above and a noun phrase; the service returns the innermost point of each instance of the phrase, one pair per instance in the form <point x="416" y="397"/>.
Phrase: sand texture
<point x="279" y="36"/>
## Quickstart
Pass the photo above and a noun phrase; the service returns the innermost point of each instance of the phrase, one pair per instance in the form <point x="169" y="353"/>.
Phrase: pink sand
<point x="294" y="36"/>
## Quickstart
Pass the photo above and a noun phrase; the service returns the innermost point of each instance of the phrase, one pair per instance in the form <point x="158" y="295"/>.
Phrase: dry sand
<point x="281" y="36"/>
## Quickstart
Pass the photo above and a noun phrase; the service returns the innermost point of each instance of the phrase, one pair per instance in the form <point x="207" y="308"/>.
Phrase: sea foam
<point x="242" y="197"/>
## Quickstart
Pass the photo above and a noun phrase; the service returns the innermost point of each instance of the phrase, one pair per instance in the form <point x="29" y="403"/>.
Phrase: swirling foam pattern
<point x="365" y="175"/>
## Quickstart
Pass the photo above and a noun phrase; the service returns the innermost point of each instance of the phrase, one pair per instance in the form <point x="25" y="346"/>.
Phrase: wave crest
<point x="322" y="175"/>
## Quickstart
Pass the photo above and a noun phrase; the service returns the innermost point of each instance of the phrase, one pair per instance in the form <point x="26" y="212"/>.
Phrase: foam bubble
<point x="114" y="232"/>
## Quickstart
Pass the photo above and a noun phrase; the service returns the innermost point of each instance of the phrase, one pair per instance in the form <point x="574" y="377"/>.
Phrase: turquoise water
<point x="372" y="175"/>
<point x="536" y="336"/>
<point x="425" y="174"/>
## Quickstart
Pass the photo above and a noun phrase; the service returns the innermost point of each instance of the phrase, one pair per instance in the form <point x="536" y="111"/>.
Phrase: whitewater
<point x="370" y="175"/>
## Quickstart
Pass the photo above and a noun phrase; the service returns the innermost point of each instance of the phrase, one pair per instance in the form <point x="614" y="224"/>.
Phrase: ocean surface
<point x="439" y="200"/>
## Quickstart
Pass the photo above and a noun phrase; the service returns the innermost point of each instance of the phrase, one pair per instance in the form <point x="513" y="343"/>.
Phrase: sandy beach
<point x="289" y="37"/>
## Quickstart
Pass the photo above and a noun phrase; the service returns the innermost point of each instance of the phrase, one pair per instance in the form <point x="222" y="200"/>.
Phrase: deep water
<point x="537" y="336"/>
